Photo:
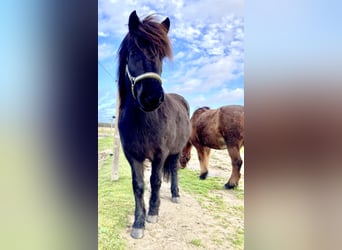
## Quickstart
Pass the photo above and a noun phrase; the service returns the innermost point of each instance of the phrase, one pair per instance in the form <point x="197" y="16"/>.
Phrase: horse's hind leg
<point x="138" y="188"/>
<point x="172" y="161"/>
<point x="234" y="153"/>
<point x="155" y="181"/>
<point x="203" y="157"/>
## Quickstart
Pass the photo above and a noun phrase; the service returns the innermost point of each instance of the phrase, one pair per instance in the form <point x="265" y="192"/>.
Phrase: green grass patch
<point x="197" y="243"/>
<point x="203" y="192"/>
<point x="105" y="143"/>
<point x="115" y="201"/>
<point x="239" y="190"/>
<point x="238" y="239"/>
<point x="189" y="182"/>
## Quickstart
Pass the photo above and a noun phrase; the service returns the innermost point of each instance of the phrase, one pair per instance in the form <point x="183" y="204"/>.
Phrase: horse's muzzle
<point x="151" y="103"/>
<point x="183" y="160"/>
<point x="150" y="98"/>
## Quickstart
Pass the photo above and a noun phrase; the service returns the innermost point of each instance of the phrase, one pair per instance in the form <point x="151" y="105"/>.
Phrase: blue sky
<point x="207" y="38"/>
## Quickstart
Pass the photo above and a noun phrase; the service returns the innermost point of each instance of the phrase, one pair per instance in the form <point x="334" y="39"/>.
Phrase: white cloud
<point x="217" y="99"/>
<point x="213" y="56"/>
<point x="207" y="37"/>
<point x="113" y="15"/>
<point x="186" y="31"/>
<point x="198" y="101"/>
<point x="105" y="51"/>
<point x="106" y="104"/>
<point x="179" y="55"/>
<point x="207" y="74"/>
<point x="231" y="94"/>
<point x="102" y="34"/>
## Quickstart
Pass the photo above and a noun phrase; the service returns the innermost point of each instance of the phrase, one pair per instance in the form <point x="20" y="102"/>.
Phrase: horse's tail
<point x="166" y="172"/>
<point x="171" y="165"/>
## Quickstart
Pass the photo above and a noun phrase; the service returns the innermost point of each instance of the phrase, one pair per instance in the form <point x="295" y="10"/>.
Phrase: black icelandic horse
<point x="152" y="125"/>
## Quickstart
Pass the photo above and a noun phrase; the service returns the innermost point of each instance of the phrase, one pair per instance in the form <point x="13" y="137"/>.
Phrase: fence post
<point x="116" y="149"/>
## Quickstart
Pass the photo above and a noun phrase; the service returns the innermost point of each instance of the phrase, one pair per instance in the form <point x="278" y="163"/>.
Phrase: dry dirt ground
<point x="188" y="225"/>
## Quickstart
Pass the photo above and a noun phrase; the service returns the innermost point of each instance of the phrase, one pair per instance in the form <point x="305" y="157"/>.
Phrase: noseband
<point x="134" y="80"/>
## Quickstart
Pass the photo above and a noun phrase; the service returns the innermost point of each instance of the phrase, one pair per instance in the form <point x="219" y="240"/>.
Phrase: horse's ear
<point x="133" y="21"/>
<point x="166" y="24"/>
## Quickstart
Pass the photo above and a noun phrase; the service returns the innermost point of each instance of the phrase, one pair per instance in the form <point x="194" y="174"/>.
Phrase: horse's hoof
<point x="137" y="233"/>
<point x="175" y="199"/>
<point x="228" y="186"/>
<point x="203" y="176"/>
<point x="152" y="218"/>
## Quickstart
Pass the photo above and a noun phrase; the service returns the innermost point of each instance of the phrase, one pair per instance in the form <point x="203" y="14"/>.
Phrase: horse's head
<point x="185" y="155"/>
<point x="147" y="45"/>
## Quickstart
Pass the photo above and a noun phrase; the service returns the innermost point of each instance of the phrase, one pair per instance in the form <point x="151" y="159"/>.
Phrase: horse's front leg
<point x="138" y="189"/>
<point x="203" y="157"/>
<point x="155" y="181"/>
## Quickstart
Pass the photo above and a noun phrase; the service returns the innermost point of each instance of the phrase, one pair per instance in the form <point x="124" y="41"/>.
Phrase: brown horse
<point x="221" y="128"/>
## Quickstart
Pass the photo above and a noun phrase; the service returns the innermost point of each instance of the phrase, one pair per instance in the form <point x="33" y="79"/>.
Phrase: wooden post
<point x="116" y="149"/>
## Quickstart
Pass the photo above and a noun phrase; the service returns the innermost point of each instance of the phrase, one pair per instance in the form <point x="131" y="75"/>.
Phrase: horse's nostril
<point x="161" y="99"/>
<point x="155" y="99"/>
<point x="151" y="102"/>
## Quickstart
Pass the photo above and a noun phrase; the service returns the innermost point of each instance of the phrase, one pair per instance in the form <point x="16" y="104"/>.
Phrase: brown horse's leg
<point x="203" y="157"/>
<point x="234" y="153"/>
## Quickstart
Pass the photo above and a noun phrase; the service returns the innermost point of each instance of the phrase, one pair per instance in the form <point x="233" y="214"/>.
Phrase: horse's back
<point x="231" y="119"/>
<point x="180" y="102"/>
<point x="178" y="121"/>
<point x="232" y="111"/>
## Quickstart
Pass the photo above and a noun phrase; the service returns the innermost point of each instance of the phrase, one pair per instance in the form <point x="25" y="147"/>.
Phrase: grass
<point x="239" y="191"/>
<point x="196" y="242"/>
<point x="105" y="130"/>
<point x="115" y="201"/>
<point x="189" y="181"/>
<point x="105" y="143"/>
<point x="238" y="239"/>
<point x="203" y="192"/>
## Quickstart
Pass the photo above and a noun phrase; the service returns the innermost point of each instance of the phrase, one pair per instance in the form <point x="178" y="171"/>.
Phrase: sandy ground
<point x="188" y="225"/>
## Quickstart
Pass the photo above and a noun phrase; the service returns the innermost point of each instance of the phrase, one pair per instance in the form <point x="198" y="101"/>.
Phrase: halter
<point x="134" y="80"/>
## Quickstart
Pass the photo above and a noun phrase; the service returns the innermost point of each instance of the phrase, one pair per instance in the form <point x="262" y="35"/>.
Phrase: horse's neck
<point x="131" y="109"/>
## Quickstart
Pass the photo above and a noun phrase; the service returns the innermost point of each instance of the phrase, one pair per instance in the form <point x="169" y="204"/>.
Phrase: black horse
<point x="152" y="125"/>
